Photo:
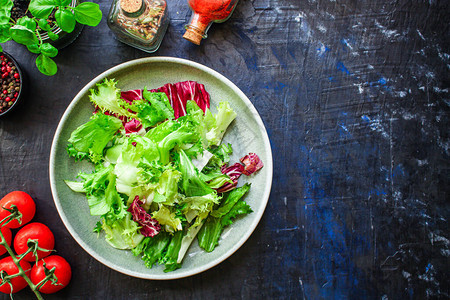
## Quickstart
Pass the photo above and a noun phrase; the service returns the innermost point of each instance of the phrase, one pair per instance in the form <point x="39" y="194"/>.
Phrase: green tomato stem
<point x="47" y="278"/>
<point x="21" y="270"/>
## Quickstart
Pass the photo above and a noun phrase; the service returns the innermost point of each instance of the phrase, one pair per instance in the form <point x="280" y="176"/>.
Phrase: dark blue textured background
<point x="354" y="96"/>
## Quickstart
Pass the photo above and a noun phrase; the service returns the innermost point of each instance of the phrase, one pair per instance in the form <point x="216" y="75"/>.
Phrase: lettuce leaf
<point x="225" y="115"/>
<point x="154" y="108"/>
<point x="168" y="186"/>
<point x="166" y="217"/>
<point x="133" y="150"/>
<point x="107" y="98"/>
<point x="101" y="192"/>
<point x="122" y="233"/>
<point x="191" y="183"/>
<point x="90" y="139"/>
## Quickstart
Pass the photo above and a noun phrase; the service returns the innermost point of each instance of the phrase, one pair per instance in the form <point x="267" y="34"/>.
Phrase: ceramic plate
<point x="247" y="134"/>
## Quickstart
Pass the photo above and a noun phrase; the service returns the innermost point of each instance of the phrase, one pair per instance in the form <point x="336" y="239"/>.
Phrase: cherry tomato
<point x="18" y="283"/>
<point x="62" y="271"/>
<point x="24" y="203"/>
<point x="34" y="231"/>
<point x="8" y="237"/>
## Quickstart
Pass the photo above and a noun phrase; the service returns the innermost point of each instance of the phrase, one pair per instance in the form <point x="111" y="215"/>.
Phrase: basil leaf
<point x="88" y="13"/>
<point x="4" y="33"/>
<point x="46" y="65"/>
<point x="41" y="8"/>
<point x="5" y="11"/>
<point x="65" y="19"/>
<point x="53" y="36"/>
<point x="22" y="35"/>
<point x="63" y="2"/>
<point x="49" y="50"/>
<point x="34" y="48"/>
<point x="43" y="24"/>
<point x="27" y="22"/>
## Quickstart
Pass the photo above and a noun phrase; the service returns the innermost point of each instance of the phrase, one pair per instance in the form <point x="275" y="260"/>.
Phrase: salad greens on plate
<point x="161" y="175"/>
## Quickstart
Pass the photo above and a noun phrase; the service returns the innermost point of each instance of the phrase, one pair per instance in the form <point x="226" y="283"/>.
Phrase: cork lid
<point x="131" y="6"/>
<point x="193" y="34"/>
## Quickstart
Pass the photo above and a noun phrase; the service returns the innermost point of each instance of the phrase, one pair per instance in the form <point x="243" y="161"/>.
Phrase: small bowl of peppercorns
<point x="11" y="87"/>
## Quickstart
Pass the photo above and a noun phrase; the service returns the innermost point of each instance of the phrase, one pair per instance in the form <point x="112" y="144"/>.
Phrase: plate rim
<point x="268" y="165"/>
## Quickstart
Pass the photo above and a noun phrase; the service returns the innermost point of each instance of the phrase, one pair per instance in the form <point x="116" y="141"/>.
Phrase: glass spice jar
<point x="204" y="13"/>
<point x="139" y="23"/>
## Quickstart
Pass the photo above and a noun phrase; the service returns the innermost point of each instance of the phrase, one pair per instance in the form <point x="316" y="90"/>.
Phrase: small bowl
<point x="21" y="85"/>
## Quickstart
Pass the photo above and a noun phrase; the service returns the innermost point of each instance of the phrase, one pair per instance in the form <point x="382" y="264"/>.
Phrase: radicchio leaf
<point x="252" y="163"/>
<point x="131" y="95"/>
<point x="132" y="126"/>
<point x="178" y="93"/>
<point x="150" y="226"/>
<point x="234" y="172"/>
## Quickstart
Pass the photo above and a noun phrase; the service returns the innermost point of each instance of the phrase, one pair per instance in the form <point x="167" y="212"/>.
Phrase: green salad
<point x="161" y="175"/>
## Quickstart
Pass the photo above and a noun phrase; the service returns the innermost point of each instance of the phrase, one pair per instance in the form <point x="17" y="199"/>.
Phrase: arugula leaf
<point x="240" y="208"/>
<point x="100" y="189"/>
<point x="209" y="234"/>
<point x="152" y="248"/>
<point x="171" y="256"/>
<point x="231" y="207"/>
<point x="230" y="200"/>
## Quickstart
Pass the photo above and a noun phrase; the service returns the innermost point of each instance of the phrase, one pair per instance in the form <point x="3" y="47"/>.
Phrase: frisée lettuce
<point x="161" y="176"/>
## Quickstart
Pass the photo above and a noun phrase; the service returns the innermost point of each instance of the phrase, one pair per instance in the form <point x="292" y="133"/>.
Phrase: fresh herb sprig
<point x="28" y="31"/>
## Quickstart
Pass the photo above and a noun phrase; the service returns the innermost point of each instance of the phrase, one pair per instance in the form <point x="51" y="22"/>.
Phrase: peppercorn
<point x="9" y="83"/>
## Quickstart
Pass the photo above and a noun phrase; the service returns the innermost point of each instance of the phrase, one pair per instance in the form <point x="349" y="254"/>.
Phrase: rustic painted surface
<point x="354" y="95"/>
